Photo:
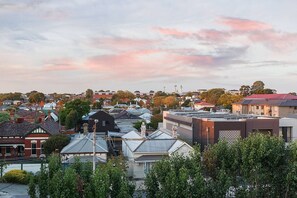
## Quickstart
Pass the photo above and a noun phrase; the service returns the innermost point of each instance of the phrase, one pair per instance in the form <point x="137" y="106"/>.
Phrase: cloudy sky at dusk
<point x="69" y="46"/>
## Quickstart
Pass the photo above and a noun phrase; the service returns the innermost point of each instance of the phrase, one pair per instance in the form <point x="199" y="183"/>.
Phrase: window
<point x="286" y="133"/>
<point x="42" y="147"/>
<point x="33" y="147"/>
<point x="103" y="123"/>
<point x="257" y="107"/>
<point x="7" y="150"/>
<point x="147" y="167"/>
<point x="262" y="107"/>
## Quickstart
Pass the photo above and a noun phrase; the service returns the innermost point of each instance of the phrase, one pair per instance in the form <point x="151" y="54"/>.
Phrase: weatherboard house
<point x="20" y="138"/>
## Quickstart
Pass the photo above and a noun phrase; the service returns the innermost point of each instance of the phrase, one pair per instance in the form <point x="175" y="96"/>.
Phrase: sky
<point x="71" y="45"/>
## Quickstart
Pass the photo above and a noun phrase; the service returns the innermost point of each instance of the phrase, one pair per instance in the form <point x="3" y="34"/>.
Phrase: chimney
<point x="85" y="128"/>
<point x="143" y="130"/>
<point x="174" y="133"/>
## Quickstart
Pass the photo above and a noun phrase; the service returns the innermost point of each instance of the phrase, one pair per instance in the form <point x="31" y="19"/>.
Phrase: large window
<point x="33" y="147"/>
<point x="286" y="133"/>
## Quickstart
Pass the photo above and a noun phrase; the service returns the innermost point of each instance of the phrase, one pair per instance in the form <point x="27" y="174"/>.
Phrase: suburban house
<point x="209" y="127"/>
<point x="82" y="146"/>
<point x="276" y="105"/>
<point x="201" y="105"/>
<point x="143" y="151"/>
<point x="105" y="121"/>
<point x="19" y="138"/>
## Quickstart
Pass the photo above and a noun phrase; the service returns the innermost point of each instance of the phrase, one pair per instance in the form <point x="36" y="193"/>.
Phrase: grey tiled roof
<point x="22" y="129"/>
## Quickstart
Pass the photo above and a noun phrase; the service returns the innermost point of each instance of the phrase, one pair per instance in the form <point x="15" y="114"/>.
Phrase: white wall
<point x="289" y="122"/>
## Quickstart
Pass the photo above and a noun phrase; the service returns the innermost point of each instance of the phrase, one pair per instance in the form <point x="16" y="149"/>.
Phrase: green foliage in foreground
<point x="78" y="180"/>
<point x="258" y="166"/>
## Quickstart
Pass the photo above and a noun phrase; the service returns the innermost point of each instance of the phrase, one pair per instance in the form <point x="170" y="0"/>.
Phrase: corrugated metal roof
<point x="84" y="144"/>
<point x="155" y="145"/>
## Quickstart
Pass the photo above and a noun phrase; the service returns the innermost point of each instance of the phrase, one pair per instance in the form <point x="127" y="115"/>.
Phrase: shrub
<point x="17" y="176"/>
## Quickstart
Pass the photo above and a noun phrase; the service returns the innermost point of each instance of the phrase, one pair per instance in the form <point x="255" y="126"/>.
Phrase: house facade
<point x="143" y="151"/>
<point x="206" y="128"/>
<point x="276" y="105"/>
<point x="24" y="139"/>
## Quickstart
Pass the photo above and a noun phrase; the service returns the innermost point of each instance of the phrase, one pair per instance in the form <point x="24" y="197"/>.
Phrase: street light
<point x="94" y="145"/>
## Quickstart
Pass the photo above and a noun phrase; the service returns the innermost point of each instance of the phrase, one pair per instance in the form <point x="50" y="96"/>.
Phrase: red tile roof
<point x="272" y="96"/>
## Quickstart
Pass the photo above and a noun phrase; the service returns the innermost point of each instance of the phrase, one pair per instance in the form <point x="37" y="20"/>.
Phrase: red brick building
<point x="24" y="139"/>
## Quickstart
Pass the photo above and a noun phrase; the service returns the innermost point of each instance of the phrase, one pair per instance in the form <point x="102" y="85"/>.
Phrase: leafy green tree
<point x="257" y="87"/>
<point x="32" y="187"/>
<point x="291" y="179"/>
<point x="4" y="116"/>
<point x="264" y="165"/>
<point x="177" y="176"/>
<point x="81" y="107"/>
<point x="55" y="142"/>
<point x="155" y="119"/>
<point x="212" y="96"/>
<point x="71" y="119"/>
<point x="227" y="99"/>
<point x="97" y="105"/>
<point x="245" y="90"/>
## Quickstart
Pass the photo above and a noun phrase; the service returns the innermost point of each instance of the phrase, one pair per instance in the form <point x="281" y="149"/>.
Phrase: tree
<point x="89" y="94"/>
<point x="187" y="103"/>
<point x="227" y="99"/>
<point x="170" y="102"/>
<point x="55" y="142"/>
<point x="245" y="90"/>
<point x="81" y="107"/>
<point x="158" y="101"/>
<point x="212" y="96"/>
<point x="97" y="105"/>
<point x="36" y="97"/>
<point x="155" y="119"/>
<point x="4" y="116"/>
<point x="122" y="97"/>
<point x="71" y="119"/>
<point x="257" y="87"/>
<point x="177" y="176"/>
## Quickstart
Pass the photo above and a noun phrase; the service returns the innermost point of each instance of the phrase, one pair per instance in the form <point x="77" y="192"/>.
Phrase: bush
<point x="17" y="176"/>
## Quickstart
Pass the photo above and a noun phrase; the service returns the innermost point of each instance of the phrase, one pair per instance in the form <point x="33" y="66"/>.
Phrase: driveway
<point x="8" y="190"/>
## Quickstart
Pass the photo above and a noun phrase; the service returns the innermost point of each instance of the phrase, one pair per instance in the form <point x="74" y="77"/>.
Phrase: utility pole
<point x="94" y="145"/>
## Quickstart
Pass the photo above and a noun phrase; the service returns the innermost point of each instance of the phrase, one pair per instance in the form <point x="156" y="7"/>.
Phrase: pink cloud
<point x="172" y="32"/>
<point x="213" y="35"/>
<point x="151" y="64"/>
<point x="121" y="43"/>
<point x="63" y="64"/>
<point x="244" y="24"/>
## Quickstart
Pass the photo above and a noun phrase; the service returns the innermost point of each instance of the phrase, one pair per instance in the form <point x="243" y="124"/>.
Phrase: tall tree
<point x="257" y="87"/>
<point x="212" y="96"/>
<point x="71" y="119"/>
<point x="245" y="90"/>
<point x="80" y="106"/>
<point x="227" y="99"/>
